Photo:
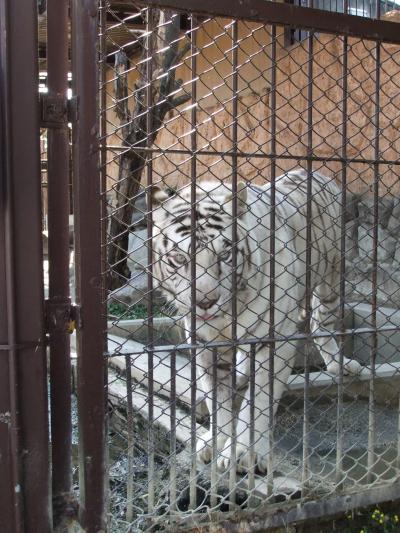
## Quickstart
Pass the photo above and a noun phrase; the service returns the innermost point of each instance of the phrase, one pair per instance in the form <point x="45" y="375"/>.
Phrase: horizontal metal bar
<point x="323" y="379"/>
<point x="262" y="340"/>
<point x="249" y="155"/>
<point x="288" y="15"/>
<point x="283" y="515"/>
<point x="22" y="345"/>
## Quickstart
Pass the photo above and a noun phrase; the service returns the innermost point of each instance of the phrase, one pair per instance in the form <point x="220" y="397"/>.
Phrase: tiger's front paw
<point x="350" y="367"/>
<point x="245" y="459"/>
<point x="204" y="448"/>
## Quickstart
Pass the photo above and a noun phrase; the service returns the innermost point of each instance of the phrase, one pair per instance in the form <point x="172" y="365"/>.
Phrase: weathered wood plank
<point x="161" y="371"/>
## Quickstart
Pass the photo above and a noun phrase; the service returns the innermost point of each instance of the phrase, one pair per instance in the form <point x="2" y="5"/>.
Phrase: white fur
<point x="253" y="296"/>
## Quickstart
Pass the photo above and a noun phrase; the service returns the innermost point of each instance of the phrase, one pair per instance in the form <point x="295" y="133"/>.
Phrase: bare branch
<point x="165" y="98"/>
<point x="121" y="87"/>
<point x="179" y="100"/>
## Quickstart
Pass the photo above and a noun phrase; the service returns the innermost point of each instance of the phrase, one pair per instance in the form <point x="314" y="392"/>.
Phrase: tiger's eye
<point x="224" y="256"/>
<point x="180" y="258"/>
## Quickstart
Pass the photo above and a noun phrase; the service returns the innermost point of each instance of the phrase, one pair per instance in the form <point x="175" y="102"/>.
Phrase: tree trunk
<point x="135" y="136"/>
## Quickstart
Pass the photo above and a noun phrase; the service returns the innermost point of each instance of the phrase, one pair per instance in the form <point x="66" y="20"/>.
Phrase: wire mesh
<point x="252" y="192"/>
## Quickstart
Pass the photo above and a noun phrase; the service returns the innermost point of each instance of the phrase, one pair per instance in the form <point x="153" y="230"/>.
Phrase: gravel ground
<point x="288" y="458"/>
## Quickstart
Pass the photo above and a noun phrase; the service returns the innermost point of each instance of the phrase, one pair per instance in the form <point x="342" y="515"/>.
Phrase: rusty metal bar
<point x="150" y="28"/>
<point x="103" y="7"/>
<point x="234" y="237"/>
<point x="10" y="501"/>
<point x="246" y="155"/>
<point x="128" y="362"/>
<point x="23" y="400"/>
<point x="172" y="470"/>
<point x="272" y="278"/>
<point x="253" y="340"/>
<point x="58" y="242"/>
<point x="306" y="422"/>
<point x="252" y="391"/>
<point x="374" y="336"/>
<point x="89" y="260"/>
<point x="288" y="15"/>
<point x="285" y="515"/>
<point x="398" y="439"/>
<point x="342" y="288"/>
<point x="214" y="430"/>
<point x="130" y="441"/>
<point x="193" y="249"/>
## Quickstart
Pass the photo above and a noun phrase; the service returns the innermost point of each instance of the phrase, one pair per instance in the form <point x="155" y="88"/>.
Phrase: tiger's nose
<point x="206" y="303"/>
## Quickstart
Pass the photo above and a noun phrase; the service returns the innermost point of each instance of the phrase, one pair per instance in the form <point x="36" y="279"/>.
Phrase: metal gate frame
<point x="91" y="371"/>
<point x="91" y="385"/>
<point x="24" y="458"/>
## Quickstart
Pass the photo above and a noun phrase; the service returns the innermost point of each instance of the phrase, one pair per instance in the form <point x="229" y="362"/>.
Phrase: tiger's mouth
<point x="205" y="317"/>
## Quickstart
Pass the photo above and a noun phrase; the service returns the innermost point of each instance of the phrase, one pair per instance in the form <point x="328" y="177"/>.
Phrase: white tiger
<point x="213" y="305"/>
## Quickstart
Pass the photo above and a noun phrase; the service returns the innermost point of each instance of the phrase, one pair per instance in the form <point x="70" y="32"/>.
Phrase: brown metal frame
<point x="193" y="173"/>
<point x="307" y="511"/>
<point x="24" y="457"/>
<point x="288" y="15"/>
<point x="88" y="239"/>
<point x="59" y="302"/>
<point x="91" y="387"/>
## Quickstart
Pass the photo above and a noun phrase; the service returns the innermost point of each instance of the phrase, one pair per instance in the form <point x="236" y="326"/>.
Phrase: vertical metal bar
<point x="89" y="261"/>
<point x="172" y="471"/>
<point x="103" y="128"/>
<point x="232" y="469"/>
<point x="272" y="280"/>
<point x="306" y="425"/>
<point x="11" y="503"/>
<point x="103" y="5"/>
<point x="25" y="501"/>
<point x="374" y="340"/>
<point x="193" y="229"/>
<point x="252" y="391"/>
<point x="130" y="441"/>
<point x="342" y="288"/>
<point x="214" y="432"/>
<point x="103" y="102"/>
<point x="58" y="227"/>
<point x="398" y="438"/>
<point x="150" y="29"/>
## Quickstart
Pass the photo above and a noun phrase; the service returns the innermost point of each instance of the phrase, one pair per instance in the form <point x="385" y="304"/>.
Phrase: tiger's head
<point x="172" y="244"/>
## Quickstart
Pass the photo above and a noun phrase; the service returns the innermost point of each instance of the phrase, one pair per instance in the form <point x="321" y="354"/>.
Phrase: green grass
<point x="137" y="311"/>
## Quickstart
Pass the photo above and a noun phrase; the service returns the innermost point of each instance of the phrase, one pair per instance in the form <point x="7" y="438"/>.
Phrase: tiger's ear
<point x="241" y="198"/>
<point x="158" y="195"/>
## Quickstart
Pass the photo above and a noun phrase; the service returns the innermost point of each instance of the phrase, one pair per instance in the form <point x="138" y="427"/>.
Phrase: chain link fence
<point x="252" y="242"/>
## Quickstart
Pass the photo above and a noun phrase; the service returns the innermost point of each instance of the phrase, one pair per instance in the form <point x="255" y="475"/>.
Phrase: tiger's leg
<point x="224" y="404"/>
<point x="325" y="304"/>
<point x="283" y="363"/>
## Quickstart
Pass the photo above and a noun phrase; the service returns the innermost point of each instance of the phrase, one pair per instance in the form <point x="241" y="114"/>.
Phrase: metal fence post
<point x="88" y="240"/>
<point x="24" y="459"/>
<point x="58" y="224"/>
<point x="258" y="108"/>
<point x="10" y="501"/>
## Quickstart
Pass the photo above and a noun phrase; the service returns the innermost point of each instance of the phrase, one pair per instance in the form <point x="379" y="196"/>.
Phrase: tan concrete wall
<point x="214" y="103"/>
<point x="214" y="109"/>
<point x="327" y="108"/>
